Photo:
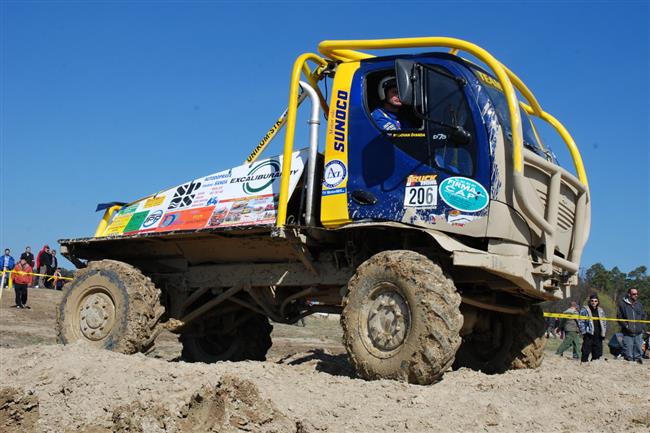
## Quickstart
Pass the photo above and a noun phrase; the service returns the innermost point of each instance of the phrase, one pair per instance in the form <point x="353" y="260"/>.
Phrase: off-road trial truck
<point x="434" y="241"/>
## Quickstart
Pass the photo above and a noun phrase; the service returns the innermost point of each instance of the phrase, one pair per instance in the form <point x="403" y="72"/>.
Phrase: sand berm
<point x="306" y="385"/>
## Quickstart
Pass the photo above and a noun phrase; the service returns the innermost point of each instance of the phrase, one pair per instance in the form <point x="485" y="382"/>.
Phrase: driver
<point x="386" y="115"/>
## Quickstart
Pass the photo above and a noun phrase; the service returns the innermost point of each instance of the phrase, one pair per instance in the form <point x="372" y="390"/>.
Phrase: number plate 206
<point x="421" y="196"/>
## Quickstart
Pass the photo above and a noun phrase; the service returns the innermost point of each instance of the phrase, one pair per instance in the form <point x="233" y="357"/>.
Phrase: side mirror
<point x="406" y="80"/>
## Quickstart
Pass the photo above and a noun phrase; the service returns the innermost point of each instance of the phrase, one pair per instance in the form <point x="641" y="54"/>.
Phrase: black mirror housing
<point x="404" y="73"/>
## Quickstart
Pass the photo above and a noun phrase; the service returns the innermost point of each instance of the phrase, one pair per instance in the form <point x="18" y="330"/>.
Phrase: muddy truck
<point x="434" y="220"/>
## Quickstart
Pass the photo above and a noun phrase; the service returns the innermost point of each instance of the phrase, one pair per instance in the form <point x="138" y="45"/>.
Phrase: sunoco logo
<point x="259" y="177"/>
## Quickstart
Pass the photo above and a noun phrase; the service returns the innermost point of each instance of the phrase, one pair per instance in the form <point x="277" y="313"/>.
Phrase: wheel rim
<point x="388" y="317"/>
<point x="96" y="314"/>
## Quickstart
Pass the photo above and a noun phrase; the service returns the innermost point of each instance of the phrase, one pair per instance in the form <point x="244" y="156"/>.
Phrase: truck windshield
<point x="501" y="106"/>
<point x="446" y="108"/>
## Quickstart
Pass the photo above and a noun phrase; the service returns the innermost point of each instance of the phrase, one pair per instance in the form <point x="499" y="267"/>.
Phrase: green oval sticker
<point x="463" y="194"/>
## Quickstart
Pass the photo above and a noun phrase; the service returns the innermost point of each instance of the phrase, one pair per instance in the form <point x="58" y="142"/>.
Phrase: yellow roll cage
<point x="347" y="51"/>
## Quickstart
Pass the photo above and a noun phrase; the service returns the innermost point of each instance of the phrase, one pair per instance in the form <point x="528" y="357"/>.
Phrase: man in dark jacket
<point x="54" y="263"/>
<point x="43" y="260"/>
<point x="29" y="258"/>
<point x="630" y="308"/>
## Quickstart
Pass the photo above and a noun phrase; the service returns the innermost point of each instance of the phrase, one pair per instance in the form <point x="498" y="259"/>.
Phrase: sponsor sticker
<point x="218" y="215"/>
<point x="118" y="224"/>
<point x="260" y="209"/>
<point x="463" y="194"/>
<point x="184" y="195"/>
<point x="168" y="220"/>
<point x="421" y="191"/>
<point x="260" y="176"/>
<point x="334" y="191"/>
<point x="456" y="218"/>
<point x="154" y="201"/>
<point x="188" y="219"/>
<point x="136" y="221"/>
<point x="335" y="173"/>
<point x="153" y="219"/>
<point x="129" y="209"/>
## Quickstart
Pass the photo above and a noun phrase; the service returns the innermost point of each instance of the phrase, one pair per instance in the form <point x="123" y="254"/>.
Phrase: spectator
<point x="8" y="264"/>
<point x="630" y="308"/>
<point x="29" y="258"/>
<point x="43" y="260"/>
<point x="592" y="330"/>
<point x="616" y="345"/>
<point x="57" y="283"/>
<point x="22" y="279"/>
<point x="54" y="264"/>
<point x="550" y="328"/>
<point x="571" y="336"/>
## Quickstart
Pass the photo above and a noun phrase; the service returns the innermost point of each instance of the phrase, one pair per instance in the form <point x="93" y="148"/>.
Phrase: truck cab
<point x="448" y="169"/>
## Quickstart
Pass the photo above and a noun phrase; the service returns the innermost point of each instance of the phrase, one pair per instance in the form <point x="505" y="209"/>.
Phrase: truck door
<point x="430" y="172"/>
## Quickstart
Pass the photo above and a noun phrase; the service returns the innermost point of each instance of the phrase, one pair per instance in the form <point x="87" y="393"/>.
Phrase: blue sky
<point x="103" y="101"/>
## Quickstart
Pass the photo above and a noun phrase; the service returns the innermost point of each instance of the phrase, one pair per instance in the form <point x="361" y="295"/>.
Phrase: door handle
<point x="362" y="197"/>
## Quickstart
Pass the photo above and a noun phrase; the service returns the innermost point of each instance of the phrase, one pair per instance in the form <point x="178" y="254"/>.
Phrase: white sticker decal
<point x="421" y="191"/>
<point x="335" y="173"/>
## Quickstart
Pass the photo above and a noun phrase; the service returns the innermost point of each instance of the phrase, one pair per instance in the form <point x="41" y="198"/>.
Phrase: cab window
<point x="450" y="130"/>
<point x="530" y="137"/>
<point x="376" y="99"/>
<point x="425" y="132"/>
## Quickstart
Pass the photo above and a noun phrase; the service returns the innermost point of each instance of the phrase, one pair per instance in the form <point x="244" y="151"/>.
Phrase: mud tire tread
<point x="430" y="347"/>
<point x="143" y="307"/>
<point x="522" y="346"/>
<point x="529" y="345"/>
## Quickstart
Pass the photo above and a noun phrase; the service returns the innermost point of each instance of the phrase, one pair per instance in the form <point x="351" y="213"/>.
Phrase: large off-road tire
<point x="250" y="341"/>
<point x="509" y="342"/>
<point x="111" y="305"/>
<point x="489" y="347"/>
<point x="529" y="342"/>
<point x="401" y="318"/>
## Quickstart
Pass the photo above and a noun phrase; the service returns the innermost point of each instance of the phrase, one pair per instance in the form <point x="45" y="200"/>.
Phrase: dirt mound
<point x="52" y="388"/>
<point x="232" y="405"/>
<point x="306" y="386"/>
<point x="18" y="410"/>
<point x="91" y="390"/>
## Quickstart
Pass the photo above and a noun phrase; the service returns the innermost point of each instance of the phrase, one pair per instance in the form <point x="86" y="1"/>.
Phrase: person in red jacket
<point x="43" y="262"/>
<point x="22" y="278"/>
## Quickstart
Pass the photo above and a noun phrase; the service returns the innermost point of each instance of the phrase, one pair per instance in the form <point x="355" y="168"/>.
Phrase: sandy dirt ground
<point x="306" y="385"/>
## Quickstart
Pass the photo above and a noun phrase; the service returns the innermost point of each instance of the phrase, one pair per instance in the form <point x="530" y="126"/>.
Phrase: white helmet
<point x="386" y="83"/>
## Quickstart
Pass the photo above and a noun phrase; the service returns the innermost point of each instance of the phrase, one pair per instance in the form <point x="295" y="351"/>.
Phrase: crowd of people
<point x="584" y="334"/>
<point x="42" y="271"/>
